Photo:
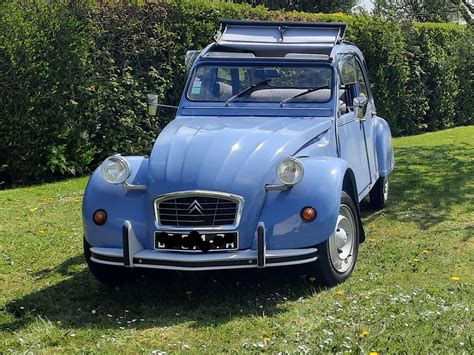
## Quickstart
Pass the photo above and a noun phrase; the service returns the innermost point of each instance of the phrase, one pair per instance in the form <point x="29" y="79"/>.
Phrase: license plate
<point x="196" y="241"/>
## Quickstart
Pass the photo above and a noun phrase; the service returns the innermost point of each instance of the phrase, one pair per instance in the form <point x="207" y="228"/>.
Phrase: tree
<point x="424" y="10"/>
<point x="326" y="6"/>
<point x="466" y="10"/>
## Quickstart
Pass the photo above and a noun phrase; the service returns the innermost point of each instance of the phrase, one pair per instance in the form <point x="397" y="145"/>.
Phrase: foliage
<point x="323" y="6"/>
<point x="132" y="53"/>
<point x="44" y="50"/>
<point x="418" y="10"/>
<point x="411" y="291"/>
<point x="74" y="74"/>
<point x="466" y="10"/>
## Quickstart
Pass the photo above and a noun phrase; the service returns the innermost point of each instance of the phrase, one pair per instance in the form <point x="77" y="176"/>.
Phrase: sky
<point x="367" y="4"/>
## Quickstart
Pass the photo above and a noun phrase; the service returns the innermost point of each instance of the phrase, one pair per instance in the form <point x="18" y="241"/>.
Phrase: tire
<point x="107" y="274"/>
<point x="336" y="263"/>
<point x="379" y="194"/>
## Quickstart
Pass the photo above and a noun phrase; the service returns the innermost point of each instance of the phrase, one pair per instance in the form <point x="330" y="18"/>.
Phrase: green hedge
<point x="74" y="74"/>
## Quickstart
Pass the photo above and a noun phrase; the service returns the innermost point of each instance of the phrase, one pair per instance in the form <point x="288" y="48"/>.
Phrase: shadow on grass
<point x="428" y="183"/>
<point x="159" y="299"/>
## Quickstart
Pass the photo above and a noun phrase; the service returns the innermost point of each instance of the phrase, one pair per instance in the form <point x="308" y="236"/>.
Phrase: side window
<point x="223" y="87"/>
<point x="213" y="84"/>
<point x="244" y="79"/>
<point x="346" y="66"/>
<point x="347" y="69"/>
<point x="201" y="83"/>
<point x="361" y="81"/>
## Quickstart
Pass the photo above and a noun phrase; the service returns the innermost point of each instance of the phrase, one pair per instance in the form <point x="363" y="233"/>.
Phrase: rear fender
<point x="383" y="146"/>
<point x="320" y="188"/>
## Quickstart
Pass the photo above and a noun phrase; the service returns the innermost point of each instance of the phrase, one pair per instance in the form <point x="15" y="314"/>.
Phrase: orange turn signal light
<point x="99" y="217"/>
<point x="308" y="214"/>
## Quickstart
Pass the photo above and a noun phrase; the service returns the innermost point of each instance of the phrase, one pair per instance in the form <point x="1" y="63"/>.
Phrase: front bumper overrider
<point x="134" y="255"/>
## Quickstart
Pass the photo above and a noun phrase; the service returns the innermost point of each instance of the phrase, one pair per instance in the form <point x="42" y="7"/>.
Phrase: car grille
<point x="197" y="211"/>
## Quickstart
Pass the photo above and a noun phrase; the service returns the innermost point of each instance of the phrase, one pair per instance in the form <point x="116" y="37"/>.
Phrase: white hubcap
<point x="341" y="242"/>
<point x="385" y="191"/>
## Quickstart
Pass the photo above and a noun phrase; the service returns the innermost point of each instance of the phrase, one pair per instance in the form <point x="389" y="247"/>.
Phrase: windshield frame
<point x="259" y="63"/>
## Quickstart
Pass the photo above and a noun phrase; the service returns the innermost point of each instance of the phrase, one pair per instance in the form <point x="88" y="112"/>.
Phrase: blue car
<point x="276" y="141"/>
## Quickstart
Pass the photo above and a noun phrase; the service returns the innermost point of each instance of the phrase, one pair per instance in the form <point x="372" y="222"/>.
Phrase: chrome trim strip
<point x="270" y="187"/>
<point x="218" y="264"/>
<point x="127" y="186"/>
<point x="209" y="268"/>
<point x="347" y="122"/>
<point x="191" y="264"/>
<point x="196" y="262"/>
<point x="204" y="193"/>
<point x="100" y="261"/>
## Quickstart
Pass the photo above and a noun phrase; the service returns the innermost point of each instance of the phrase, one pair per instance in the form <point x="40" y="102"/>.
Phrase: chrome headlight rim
<point x="125" y="165"/>
<point x="297" y="163"/>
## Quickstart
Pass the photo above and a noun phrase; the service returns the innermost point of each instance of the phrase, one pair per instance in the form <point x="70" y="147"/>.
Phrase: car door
<point x="351" y="138"/>
<point x="368" y="120"/>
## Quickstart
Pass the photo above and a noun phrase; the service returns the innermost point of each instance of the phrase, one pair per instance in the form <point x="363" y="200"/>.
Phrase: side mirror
<point x="152" y="103"/>
<point x="360" y="102"/>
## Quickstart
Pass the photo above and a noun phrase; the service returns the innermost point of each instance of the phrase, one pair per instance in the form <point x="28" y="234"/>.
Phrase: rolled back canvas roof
<point x="280" y="36"/>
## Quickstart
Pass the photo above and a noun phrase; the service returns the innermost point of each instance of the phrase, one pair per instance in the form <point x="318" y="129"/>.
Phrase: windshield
<point x="261" y="83"/>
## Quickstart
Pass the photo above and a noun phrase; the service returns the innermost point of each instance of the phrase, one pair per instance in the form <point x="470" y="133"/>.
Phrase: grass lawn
<point x="412" y="289"/>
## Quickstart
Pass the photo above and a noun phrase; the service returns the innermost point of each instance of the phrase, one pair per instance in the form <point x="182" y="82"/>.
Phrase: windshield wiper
<point x="248" y="90"/>
<point x="282" y="103"/>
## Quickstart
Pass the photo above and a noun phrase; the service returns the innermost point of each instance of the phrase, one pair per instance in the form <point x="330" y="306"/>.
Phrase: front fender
<point x="320" y="188"/>
<point x="383" y="146"/>
<point x="119" y="203"/>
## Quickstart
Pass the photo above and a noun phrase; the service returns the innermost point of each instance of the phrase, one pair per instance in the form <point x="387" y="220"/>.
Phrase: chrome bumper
<point x="134" y="255"/>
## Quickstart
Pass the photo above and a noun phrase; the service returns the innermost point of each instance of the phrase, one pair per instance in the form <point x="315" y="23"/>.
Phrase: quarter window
<point x="347" y="69"/>
<point x="352" y="81"/>
<point x="346" y="66"/>
<point x="361" y="81"/>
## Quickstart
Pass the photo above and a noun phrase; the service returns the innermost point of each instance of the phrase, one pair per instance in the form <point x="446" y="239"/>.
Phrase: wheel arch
<point x="119" y="204"/>
<point x="350" y="187"/>
<point x="320" y="188"/>
<point x="383" y="146"/>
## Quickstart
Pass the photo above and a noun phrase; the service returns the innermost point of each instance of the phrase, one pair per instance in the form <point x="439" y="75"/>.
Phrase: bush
<point x="74" y="75"/>
<point x="133" y="52"/>
<point x="44" y="52"/>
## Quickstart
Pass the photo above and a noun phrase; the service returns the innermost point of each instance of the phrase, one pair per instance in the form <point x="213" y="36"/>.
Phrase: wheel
<point x="379" y="194"/>
<point x="338" y="254"/>
<point x="107" y="274"/>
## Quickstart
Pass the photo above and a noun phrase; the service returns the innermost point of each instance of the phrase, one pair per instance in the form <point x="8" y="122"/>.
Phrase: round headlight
<point x="115" y="169"/>
<point x="290" y="171"/>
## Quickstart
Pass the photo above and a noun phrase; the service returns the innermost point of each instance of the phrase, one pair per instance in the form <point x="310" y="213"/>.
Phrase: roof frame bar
<point x="283" y="25"/>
